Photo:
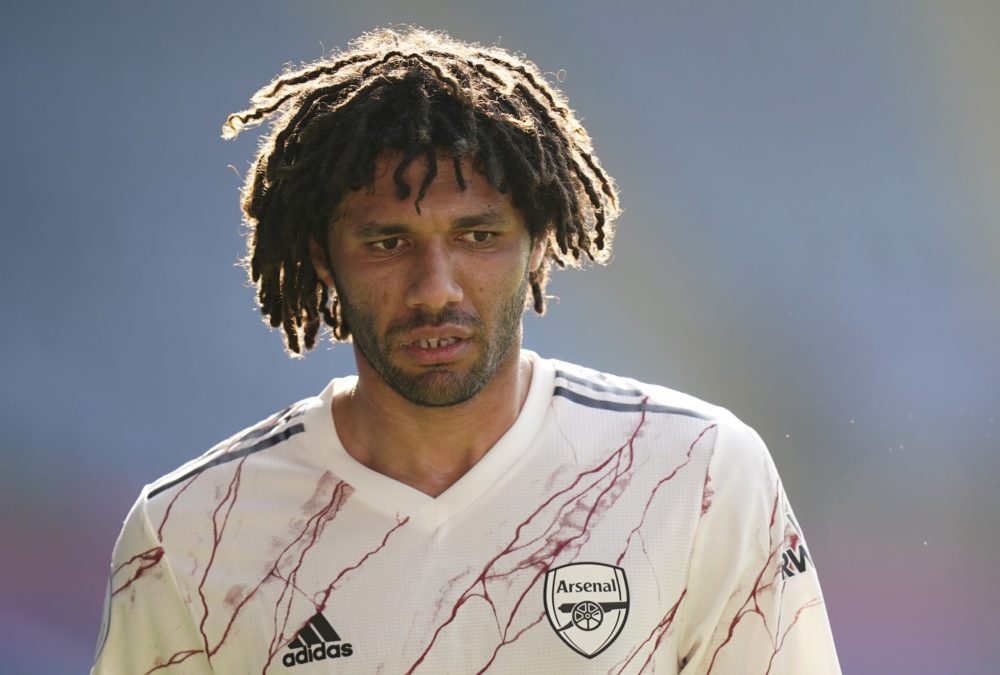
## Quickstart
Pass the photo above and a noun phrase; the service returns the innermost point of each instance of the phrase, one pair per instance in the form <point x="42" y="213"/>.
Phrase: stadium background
<point x="811" y="238"/>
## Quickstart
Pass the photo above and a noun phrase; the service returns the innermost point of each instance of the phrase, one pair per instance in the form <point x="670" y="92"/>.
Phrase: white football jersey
<point x="616" y="527"/>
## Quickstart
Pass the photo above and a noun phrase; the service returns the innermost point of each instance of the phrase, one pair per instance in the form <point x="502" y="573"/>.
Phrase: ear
<point x="537" y="252"/>
<point x="319" y="263"/>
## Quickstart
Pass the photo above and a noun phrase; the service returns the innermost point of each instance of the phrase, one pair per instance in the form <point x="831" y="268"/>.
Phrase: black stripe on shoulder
<point x="597" y="385"/>
<point x="619" y="406"/>
<point x="264" y="444"/>
<point x="266" y="427"/>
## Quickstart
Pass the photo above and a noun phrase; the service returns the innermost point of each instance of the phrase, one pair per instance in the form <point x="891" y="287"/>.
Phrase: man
<point x="461" y="505"/>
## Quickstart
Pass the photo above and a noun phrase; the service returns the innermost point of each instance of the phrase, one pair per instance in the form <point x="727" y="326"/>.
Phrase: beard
<point x="444" y="385"/>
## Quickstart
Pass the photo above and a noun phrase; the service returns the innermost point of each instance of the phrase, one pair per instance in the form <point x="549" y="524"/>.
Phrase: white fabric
<point x="221" y="564"/>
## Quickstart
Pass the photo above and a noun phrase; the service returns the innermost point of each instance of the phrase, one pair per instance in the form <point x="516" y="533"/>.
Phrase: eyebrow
<point x="490" y="217"/>
<point x="375" y="229"/>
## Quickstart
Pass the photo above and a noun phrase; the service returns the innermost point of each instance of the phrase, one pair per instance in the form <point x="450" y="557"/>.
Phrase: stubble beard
<point x="444" y="385"/>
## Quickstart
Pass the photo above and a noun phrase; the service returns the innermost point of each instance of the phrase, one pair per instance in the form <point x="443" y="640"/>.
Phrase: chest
<point x="568" y="564"/>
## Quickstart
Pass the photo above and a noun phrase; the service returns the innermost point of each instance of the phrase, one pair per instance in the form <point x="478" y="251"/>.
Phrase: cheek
<point x="497" y="286"/>
<point x="373" y="299"/>
<point x="365" y="289"/>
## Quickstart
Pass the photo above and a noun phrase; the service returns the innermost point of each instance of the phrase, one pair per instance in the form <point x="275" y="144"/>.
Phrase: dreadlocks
<point x="415" y="93"/>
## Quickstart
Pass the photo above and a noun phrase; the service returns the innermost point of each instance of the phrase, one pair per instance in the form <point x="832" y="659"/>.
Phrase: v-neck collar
<point x="396" y="498"/>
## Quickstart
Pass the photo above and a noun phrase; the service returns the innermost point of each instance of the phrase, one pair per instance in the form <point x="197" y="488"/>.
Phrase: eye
<point x="479" y="238"/>
<point x="386" y="245"/>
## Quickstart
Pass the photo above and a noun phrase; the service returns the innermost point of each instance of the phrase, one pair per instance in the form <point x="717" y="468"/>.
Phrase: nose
<point x="433" y="283"/>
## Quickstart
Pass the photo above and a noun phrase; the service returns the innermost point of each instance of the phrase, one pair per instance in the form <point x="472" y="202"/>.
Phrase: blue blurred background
<point x="811" y="238"/>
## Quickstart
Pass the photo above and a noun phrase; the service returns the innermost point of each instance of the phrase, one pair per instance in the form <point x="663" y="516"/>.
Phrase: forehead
<point x="444" y="201"/>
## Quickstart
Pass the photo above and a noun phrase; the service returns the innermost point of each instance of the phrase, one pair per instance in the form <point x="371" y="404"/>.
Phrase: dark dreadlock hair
<point x="417" y="93"/>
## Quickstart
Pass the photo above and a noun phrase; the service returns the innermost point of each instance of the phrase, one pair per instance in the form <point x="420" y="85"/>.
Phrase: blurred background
<point x="811" y="238"/>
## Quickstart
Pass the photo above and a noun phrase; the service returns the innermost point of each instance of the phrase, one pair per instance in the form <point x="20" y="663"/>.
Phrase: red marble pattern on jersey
<point x="815" y="602"/>
<point x="151" y="557"/>
<point x="761" y="583"/>
<point x="328" y="500"/>
<point x="576" y="507"/>
<point x="660" y="630"/>
<point x="138" y="565"/>
<point x="655" y="637"/>
<point x="656" y="488"/>
<point x="765" y="582"/>
<point x="338" y="491"/>
<point x="319" y="599"/>
<point x="170" y="505"/>
<point x="228" y="501"/>
<point x="565" y="532"/>
<point x="178" y="657"/>
<point x="707" y="493"/>
<point x="324" y="595"/>
<point x="143" y="562"/>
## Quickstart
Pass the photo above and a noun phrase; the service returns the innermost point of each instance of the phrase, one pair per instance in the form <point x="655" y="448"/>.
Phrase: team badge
<point x="587" y="604"/>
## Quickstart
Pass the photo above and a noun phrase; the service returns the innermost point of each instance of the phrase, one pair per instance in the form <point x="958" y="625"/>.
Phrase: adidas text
<point x="317" y="653"/>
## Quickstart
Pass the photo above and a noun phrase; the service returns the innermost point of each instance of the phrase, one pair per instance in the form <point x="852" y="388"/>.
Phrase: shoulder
<point x="248" y="443"/>
<point x="592" y="392"/>
<point x="603" y="391"/>
<point x="739" y="472"/>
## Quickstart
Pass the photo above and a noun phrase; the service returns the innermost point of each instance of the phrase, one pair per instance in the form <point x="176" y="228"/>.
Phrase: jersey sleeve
<point x="146" y="626"/>
<point x="754" y="600"/>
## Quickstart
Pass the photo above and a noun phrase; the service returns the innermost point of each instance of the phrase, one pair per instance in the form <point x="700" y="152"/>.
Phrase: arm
<point x="147" y="627"/>
<point x="755" y="602"/>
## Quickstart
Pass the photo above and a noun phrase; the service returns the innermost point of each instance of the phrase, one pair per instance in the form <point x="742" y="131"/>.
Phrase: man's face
<point x="433" y="299"/>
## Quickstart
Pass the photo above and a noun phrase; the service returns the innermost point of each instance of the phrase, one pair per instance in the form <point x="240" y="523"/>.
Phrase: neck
<point x="428" y="448"/>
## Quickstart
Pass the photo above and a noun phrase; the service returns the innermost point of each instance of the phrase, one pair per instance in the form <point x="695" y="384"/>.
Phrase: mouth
<point x="429" y="351"/>
<point x="431" y="343"/>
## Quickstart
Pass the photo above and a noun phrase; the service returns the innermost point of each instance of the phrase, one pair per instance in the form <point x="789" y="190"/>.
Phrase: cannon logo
<point x="587" y="605"/>
<point x="317" y="641"/>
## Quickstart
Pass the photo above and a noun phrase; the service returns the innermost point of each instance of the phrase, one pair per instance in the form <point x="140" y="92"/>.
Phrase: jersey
<point x="616" y="527"/>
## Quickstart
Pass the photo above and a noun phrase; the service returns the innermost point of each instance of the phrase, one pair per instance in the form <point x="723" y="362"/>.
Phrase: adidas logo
<point x="316" y="641"/>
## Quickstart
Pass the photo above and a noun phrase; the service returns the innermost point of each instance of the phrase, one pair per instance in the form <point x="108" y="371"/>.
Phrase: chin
<point x="439" y="388"/>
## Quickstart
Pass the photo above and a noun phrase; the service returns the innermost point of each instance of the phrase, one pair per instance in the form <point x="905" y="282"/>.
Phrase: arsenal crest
<point x="587" y="604"/>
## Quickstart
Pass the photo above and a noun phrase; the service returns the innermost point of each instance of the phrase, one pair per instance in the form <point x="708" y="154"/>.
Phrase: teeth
<point x="434" y="343"/>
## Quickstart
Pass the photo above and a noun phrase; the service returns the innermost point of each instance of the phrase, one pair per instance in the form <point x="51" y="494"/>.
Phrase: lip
<point x="431" y="356"/>
<point x="430" y="332"/>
